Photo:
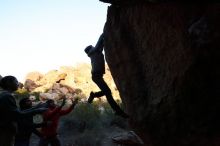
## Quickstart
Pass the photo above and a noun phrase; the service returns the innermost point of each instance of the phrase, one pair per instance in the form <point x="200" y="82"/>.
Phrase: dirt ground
<point x="68" y="139"/>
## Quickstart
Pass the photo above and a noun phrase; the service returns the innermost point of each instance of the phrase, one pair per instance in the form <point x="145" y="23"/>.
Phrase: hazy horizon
<point x="46" y="34"/>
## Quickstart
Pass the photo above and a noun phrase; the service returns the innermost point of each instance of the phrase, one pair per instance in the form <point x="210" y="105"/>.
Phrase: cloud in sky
<point x="46" y="34"/>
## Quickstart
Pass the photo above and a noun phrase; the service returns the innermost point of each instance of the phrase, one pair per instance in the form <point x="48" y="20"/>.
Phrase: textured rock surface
<point x="166" y="66"/>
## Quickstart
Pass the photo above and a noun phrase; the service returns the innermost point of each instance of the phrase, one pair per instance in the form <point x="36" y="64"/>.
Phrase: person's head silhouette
<point x="25" y="103"/>
<point x="9" y="83"/>
<point x="88" y="49"/>
<point x="51" y="104"/>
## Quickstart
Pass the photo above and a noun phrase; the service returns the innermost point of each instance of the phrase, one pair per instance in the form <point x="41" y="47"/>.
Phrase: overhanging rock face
<point x="135" y="2"/>
<point x="164" y="58"/>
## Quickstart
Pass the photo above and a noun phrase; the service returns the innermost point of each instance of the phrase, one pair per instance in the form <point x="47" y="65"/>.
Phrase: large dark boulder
<point x="164" y="58"/>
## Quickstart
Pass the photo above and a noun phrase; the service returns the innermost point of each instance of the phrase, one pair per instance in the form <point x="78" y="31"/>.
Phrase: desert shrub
<point x="84" y="116"/>
<point x="107" y="114"/>
<point x="21" y="93"/>
<point x="88" y="124"/>
<point x="91" y="116"/>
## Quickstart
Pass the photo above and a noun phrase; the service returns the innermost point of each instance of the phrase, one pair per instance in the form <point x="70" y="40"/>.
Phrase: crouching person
<point x="26" y="126"/>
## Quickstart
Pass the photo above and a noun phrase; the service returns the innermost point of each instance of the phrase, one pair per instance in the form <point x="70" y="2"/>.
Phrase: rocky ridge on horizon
<point x="67" y="80"/>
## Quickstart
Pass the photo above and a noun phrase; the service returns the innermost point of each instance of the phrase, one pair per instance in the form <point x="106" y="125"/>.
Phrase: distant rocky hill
<point x="67" y="80"/>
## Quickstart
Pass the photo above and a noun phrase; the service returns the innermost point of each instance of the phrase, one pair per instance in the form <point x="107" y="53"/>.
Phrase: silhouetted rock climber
<point x="52" y="115"/>
<point x="26" y="126"/>
<point x="9" y="112"/>
<point x="98" y="70"/>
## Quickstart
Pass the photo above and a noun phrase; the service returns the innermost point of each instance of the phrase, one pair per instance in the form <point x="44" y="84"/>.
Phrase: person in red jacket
<point x="52" y="116"/>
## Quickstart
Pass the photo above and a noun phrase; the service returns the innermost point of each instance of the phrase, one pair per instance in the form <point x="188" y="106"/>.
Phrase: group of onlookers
<point x="16" y="124"/>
